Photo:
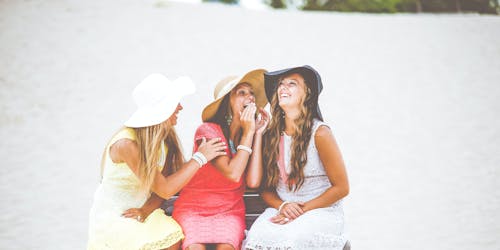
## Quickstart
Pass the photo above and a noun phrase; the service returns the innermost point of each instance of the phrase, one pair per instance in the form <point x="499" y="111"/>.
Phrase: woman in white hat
<point x="210" y="208"/>
<point x="144" y="157"/>
<point x="304" y="178"/>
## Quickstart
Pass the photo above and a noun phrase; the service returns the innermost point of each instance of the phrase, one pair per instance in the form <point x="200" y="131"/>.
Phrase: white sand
<point x="414" y="101"/>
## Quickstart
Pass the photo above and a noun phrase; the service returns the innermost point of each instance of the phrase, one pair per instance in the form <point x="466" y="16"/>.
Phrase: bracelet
<point x="198" y="160"/>
<point x="282" y="205"/>
<point x="244" y="148"/>
<point x="202" y="157"/>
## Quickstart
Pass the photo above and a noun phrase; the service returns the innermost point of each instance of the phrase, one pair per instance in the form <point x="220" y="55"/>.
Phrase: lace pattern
<point x="165" y="243"/>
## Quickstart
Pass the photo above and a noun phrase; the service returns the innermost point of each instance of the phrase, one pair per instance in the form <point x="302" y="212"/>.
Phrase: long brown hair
<point x="301" y="136"/>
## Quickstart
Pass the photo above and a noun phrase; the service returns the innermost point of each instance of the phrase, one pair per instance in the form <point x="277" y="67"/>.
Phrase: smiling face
<point x="291" y="91"/>
<point x="241" y="96"/>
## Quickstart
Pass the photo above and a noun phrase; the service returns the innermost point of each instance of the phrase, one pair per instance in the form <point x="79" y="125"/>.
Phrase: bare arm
<point x="271" y="198"/>
<point x="233" y="168"/>
<point x="254" y="168"/>
<point x="126" y="150"/>
<point x="331" y="158"/>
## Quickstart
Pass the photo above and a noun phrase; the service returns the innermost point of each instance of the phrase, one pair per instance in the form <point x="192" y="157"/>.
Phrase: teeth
<point x="284" y="95"/>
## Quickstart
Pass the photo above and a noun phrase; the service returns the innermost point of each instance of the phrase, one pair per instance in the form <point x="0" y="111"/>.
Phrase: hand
<point x="136" y="213"/>
<point x="247" y="118"/>
<point x="212" y="148"/>
<point x="280" y="219"/>
<point x="292" y="210"/>
<point x="262" y="121"/>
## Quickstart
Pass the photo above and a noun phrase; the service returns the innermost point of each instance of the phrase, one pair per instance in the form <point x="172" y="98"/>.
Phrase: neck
<point x="234" y="129"/>
<point x="290" y="117"/>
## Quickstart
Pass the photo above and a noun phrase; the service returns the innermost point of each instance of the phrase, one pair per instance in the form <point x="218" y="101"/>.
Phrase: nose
<point x="252" y="98"/>
<point x="282" y="86"/>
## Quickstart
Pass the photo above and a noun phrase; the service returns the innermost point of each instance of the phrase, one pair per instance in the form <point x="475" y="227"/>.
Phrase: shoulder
<point x="122" y="149"/>
<point x="322" y="131"/>
<point x="321" y="128"/>
<point x="208" y="130"/>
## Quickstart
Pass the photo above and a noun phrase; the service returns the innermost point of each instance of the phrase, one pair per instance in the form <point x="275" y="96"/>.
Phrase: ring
<point x="138" y="217"/>
<point x="286" y="219"/>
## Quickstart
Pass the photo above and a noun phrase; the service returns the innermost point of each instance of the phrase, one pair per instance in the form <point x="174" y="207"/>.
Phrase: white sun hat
<point x="156" y="98"/>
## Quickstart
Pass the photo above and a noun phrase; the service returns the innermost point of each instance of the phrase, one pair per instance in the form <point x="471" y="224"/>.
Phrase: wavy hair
<point x="149" y="140"/>
<point x="301" y="136"/>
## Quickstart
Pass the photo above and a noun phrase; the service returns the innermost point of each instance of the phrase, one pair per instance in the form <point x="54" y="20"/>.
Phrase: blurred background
<point x="411" y="91"/>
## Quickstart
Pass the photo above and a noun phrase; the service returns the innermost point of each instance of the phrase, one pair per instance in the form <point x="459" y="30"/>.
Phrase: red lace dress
<point x="210" y="208"/>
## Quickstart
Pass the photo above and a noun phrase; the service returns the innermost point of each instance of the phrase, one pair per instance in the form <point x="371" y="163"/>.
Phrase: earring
<point x="229" y="119"/>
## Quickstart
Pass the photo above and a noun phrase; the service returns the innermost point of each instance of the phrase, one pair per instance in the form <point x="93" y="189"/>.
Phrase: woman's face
<point x="172" y="120"/>
<point x="241" y="96"/>
<point x="291" y="91"/>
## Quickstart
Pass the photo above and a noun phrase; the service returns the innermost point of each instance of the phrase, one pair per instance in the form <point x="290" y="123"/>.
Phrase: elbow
<point x="234" y="178"/>
<point x="253" y="184"/>
<point x="344" y="191"/>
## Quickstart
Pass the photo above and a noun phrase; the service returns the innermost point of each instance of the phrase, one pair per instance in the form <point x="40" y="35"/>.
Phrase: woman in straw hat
<point x="304" y="175"/>
<point x="210" y="207"/>
<point x="145" y="156"/>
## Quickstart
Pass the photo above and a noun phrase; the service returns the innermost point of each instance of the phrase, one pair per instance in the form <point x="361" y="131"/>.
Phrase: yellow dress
<point x="118" y="191"/>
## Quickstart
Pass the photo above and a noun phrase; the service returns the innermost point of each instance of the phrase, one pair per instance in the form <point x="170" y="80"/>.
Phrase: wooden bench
<point x="254" y="207"/>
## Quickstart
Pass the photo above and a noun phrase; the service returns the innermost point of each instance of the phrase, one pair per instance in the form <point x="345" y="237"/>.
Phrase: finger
<point x="296" y="207"/>
<point x="214" y="140"/>
<point x="130" y="215"/>
<point x="293" y="211"/>
<point x="276" y="219"/>
<point x="287" y="214"/>
<point x="220" y="144"/>
<point x="131" y="211"/>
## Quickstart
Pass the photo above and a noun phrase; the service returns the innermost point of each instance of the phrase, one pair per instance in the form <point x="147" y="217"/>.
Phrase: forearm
<point x="166" y="187"/>
<point x="237" y="165"/>
<point x="326" y="199"/>
<point x="152" y="203"/>
<point x="271" y="198"/>
<point x="254" y="169"/>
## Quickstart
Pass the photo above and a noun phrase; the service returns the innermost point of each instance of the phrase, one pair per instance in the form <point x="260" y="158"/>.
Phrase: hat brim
<point x="311" y="76"/>
<point x="255" y="79"/>
<point x="159" y="112"/>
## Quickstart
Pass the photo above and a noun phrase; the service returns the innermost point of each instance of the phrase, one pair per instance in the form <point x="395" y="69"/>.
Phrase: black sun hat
<point x="311" y="78"/>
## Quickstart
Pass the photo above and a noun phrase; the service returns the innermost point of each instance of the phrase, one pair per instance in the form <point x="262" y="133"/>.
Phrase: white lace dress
<point x="321" y="228"/>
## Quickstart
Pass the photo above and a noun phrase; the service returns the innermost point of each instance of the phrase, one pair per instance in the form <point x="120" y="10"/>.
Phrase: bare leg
<point x="196" y="247"/>
<point x="224" y="246"/>
<point x="175" y="246"/>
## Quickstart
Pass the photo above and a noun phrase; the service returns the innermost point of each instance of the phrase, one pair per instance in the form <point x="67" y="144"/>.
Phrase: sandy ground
<point x="413" y="100"/>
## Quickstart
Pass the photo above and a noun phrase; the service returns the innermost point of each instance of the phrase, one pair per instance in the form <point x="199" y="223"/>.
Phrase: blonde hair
<point x="149" y="142"/>
<point x="301" y="136"/>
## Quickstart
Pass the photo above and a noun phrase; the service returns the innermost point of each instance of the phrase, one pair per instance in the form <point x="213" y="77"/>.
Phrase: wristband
<point x="201" y="157"/>
<point x="198" y="160"/>
<point x="244" y="148"/>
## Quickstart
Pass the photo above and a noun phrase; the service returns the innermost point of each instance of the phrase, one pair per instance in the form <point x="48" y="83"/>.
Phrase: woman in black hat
<point x="304" y="174"/>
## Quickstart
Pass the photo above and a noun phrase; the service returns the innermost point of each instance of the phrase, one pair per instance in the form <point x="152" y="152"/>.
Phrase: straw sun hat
<point x="254" y="78"/>
<point x="156" y="98"/>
